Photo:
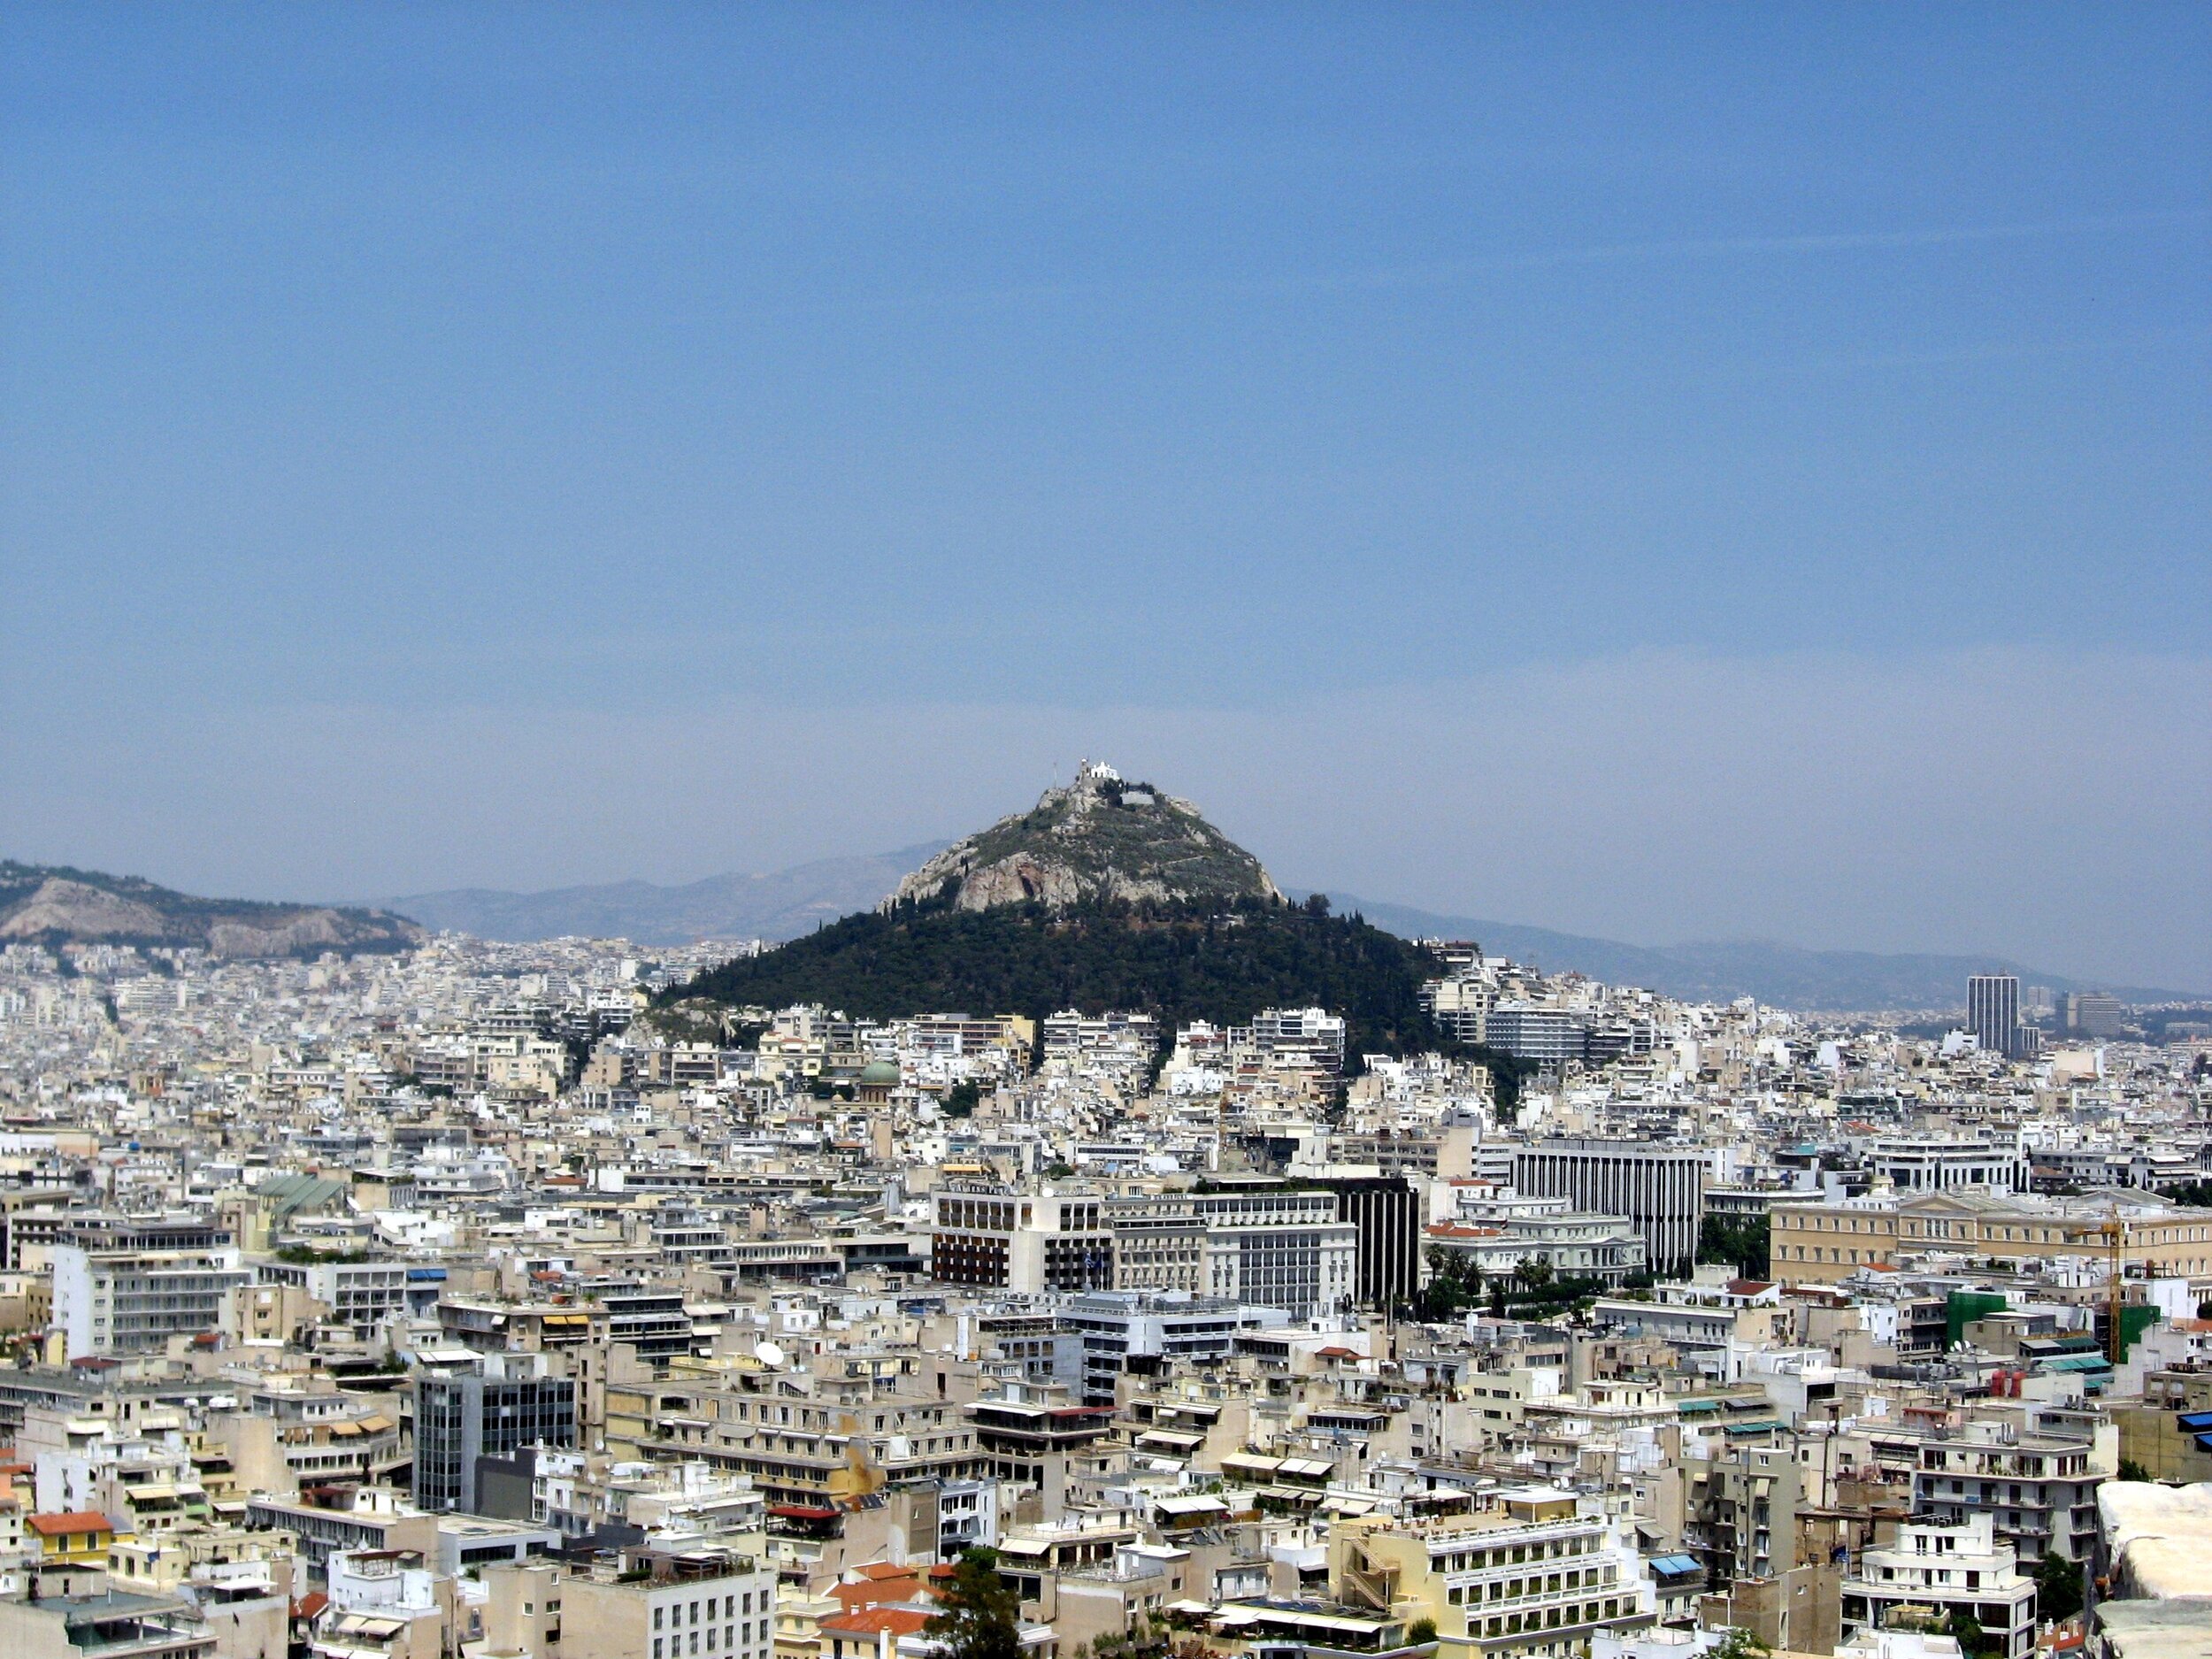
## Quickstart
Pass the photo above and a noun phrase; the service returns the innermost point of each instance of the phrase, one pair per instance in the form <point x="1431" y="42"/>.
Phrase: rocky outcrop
<point x="315" y="929"/>
<point x="83" y="912"/>
<point x="1099" y="838"/>
<point x="60" y="906"/>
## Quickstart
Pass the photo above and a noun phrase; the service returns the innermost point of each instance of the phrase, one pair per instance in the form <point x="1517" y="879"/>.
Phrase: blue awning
<point x="1674" y="1566"/>
<point x="2194" y="1422"/>
<point x="2204" y="1442"/>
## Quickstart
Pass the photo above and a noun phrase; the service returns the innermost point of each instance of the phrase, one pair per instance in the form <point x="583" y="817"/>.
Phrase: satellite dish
<point x="770" y="1354"/>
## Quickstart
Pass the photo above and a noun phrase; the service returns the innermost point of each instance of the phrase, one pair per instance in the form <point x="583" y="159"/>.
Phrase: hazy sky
<point x="1658" y="472"/>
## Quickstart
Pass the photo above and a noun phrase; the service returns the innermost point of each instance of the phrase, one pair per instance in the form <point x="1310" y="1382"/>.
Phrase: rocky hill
<point x="53" y="904"/>
<point x="1099" y="839"/>
<point x="1106" y="895"/>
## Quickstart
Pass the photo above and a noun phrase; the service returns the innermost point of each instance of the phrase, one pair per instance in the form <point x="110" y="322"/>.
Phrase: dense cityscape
<point x="509" y="1299"/>
<point x="1103" y="831"/>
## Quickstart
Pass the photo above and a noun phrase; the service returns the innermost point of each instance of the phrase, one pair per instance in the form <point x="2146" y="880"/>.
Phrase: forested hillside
<point x="1179" y="962"/>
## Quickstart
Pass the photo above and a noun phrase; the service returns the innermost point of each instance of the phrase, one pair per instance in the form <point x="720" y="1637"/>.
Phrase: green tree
<point x="1739" y="1643"/>
<point x="2057" y="1586"/>
<point x="2129" y="1469"/>
<point x="1420" y="1633"/>
<point x="977" y="1615"/>
<point x="1963" y="1628"/>
<point x="1740" y="1241"/>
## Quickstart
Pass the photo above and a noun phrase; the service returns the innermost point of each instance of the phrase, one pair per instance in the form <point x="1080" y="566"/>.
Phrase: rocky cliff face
<point x="1099" y="838"/>
<point x="55" y="906"/>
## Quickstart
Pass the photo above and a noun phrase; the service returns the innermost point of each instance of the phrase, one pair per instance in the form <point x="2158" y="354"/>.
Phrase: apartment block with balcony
<point x="2038" y="1490"/>
<point x="114" y="1625"/>
<point x="1532" y="1572"/>
<point x="1962" y="1569"/>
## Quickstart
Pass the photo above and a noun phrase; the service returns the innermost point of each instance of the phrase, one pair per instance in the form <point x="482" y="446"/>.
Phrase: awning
<point x="1245" y="1463"/>
<point x="1673" y="1566"/>
<point x="1197" y="1412"/>
<point x="1174" y="1440"/>
<point x="1304" y="1467"/>
<point x="1194" y="1505"/>
<point x="2194" y="1422"/>
<point x="363" y="1624"/>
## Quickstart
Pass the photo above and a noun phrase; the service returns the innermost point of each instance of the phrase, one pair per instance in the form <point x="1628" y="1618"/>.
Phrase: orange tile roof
<point x="867" y="1621"/>
<point x="76" y="1521"/>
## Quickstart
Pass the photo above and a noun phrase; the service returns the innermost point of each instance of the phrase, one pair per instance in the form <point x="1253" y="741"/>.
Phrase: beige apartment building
<point x="1533" y="1574"/>
<point x="685" y="1604"/>
<point x="1824" y="1244"/>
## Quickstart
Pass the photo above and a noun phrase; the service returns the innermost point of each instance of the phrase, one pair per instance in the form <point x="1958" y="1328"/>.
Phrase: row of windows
<point x="1514" y="1554"/>
<point x="1514" y="1589"/>
<point x="1554" y="1618"/>
<point x="688" y="1612"/>
<point x="676" y="1644"/>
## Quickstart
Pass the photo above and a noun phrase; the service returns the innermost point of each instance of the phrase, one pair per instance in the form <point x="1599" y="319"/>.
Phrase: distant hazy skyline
<point x="1660" y="472"/>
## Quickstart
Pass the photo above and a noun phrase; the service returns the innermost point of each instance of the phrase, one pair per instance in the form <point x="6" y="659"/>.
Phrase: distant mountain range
<point x="1782" y="976"/>
<point x="54" y="904"/>
<point x="777" y="906"/>
<point x="790" y="902"/>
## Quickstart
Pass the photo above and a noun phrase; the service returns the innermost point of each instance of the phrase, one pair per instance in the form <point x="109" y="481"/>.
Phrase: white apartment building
<point x="361" y="1295"/>
<point x="133" y="1302"/>
<point x="1961" y="1568"/>
<point x="1661" y="1189"/>
<point x="1279" y="1249"/>
<point x="1927" y="1163"/>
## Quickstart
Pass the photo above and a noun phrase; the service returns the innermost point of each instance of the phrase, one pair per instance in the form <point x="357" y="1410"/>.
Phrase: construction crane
<point x="2113" y="1232"/>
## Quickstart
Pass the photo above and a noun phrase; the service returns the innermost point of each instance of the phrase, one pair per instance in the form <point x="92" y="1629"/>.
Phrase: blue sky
<point x="388" y="393"/>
